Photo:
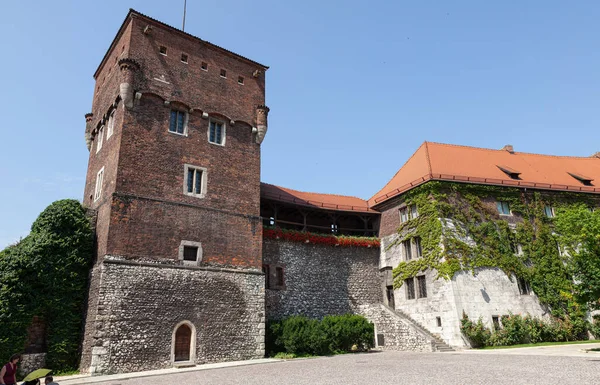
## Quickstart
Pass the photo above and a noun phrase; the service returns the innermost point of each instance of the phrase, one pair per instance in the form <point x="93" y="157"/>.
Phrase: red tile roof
<point x="436" y="161"/>
<point x="321" y="201"/>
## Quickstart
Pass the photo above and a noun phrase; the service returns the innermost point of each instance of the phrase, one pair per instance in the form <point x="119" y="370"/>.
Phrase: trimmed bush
<point x="301" y="336"/>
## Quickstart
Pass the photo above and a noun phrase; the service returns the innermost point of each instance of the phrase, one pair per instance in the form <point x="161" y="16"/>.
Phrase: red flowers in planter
<point x="320" y="239"/>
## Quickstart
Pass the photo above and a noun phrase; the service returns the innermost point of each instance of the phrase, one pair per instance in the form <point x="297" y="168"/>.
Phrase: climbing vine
<point x="461" y="230"/>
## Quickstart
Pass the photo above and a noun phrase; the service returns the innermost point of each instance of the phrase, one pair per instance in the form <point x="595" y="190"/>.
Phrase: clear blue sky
<point x="354" y="87"/>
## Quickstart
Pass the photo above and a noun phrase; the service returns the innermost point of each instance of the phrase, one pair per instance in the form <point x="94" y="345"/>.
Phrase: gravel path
<point x="397" y="368"/>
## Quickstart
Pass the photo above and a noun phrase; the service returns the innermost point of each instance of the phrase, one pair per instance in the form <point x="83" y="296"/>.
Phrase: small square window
<point x="162" y="50"/>
<point x="240" y="80"/>
<point x="184" y="58"/>
<point x="549" y="211"/>
<point x="204" y="66"/>
<point x="422" y="285"/>
<point x="216" y="132"/>
<point x="178" y="122"/>
<point x="503" y="208"/>
<point x="410" y="288"/>
<point x="195" y="181"/>
<point x="190" y="253"/>
<point x="99" y="180"/>
<point x="223" y="73"/>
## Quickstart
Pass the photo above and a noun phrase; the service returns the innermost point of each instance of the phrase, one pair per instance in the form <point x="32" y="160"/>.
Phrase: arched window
<point x="183" y="348"/>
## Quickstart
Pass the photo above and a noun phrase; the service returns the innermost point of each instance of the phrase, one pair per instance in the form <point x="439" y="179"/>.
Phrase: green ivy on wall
<point x="460" y="229"/>
<point x="45" y="276"/>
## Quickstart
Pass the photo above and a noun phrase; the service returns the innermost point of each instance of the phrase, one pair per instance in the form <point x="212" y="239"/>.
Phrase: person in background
<point x="8" y="374"/>
<point x="50" y="381"/>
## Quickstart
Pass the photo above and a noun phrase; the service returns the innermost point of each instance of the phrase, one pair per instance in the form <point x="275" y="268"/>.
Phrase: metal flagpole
<point x="184" y="7"/>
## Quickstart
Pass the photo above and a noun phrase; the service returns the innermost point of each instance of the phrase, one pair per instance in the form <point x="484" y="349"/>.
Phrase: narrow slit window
<point x="280" y="277"/>
<point x="184" y="58"/>
<point x="111" y="125"/>
<point x="99" y="139"/>
<point x="240" y="80"/>
<point x="99" y="180"/>
<point x="407" y="250"/>
<point x="267" y="272"/>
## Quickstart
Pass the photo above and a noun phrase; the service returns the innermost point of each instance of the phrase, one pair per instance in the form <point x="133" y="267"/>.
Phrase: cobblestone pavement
<point x="397" y="368"/>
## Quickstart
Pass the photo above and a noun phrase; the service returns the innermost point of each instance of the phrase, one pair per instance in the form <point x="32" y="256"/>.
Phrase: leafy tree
<point x="45" y="275"/>
<point x="579" y="233"/>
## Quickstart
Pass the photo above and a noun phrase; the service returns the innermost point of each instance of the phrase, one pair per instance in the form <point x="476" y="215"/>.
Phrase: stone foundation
<point x="139" y="305"/>
<point x="31" y="362"/>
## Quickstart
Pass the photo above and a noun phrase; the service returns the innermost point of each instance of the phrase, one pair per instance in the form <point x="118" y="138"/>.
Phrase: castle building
<point x="194" y="254"/>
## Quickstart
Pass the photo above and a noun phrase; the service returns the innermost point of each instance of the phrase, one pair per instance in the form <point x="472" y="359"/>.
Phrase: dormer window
<point x="583" y="179"/>
<point x="512" y="174"/>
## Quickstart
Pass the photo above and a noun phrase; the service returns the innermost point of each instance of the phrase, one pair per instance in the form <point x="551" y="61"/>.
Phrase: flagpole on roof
<point x="184" y="7"/>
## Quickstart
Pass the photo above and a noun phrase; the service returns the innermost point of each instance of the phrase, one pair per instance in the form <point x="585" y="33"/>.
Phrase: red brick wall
<point x="390" y="221"/>
<point x="144" y="163"/>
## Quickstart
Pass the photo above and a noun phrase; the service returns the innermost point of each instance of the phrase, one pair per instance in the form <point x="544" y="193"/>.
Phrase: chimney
<point x="508" y="148"/>
<point x="596" y="155"/>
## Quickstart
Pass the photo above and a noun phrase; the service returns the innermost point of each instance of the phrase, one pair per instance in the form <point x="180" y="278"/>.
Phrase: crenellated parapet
<point x="262" y="112"/>
<point x="88" y="130"/>
<point x="128" y="68"/>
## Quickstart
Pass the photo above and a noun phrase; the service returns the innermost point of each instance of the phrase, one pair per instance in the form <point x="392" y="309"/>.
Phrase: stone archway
<point x="183" y="345"/>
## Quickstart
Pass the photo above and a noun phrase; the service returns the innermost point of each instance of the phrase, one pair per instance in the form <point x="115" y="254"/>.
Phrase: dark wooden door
<point x="183" y="338"/>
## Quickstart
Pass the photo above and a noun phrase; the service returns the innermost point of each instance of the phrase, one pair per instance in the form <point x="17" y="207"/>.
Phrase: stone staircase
<point x="438" y="343"/>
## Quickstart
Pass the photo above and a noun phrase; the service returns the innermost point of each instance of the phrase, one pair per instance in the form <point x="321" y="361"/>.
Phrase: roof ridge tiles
<point x="514" y="153"/>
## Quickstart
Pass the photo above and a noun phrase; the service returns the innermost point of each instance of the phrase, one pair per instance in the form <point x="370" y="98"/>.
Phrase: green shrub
<point x="301" y="336"/>
<point x="514" y="330"/>
<point x="477" y="334"/>
<point x="595" y="326"/>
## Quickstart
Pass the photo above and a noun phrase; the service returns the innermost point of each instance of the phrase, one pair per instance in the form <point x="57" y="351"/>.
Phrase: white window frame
<point x="110" y="127"/>
<point x="99" y="139"/>
<point x="418" y="247"/>
<point x="410" y="211"/>
<point x="223" y="134"/>
<point x="552" y="213"/>
<point x="99" y="182"/>
<point x="500" y="204"/>
<point x="186" y="118"/>
<point x="404" y="214"/>
<point x="198" y="253"/>
<point x="203" y="182"/>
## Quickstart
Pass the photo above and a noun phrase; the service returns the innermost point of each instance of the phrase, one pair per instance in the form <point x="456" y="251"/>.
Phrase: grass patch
<point x="542" y="344"/>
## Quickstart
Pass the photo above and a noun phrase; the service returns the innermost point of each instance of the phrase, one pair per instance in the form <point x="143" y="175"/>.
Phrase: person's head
<point x="48" y="379"/>
<point x="15" y="358"/>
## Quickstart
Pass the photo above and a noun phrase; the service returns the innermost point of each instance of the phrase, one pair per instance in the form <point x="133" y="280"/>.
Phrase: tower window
<point x="99" y="180"/>
<point x="223" y="73"/>
<point x="240" y="80"/>
<point x="99" y="139"/>
<point x="216" y="132"/>
<point x="204" y="66"/>
<point x="195" y="181"/>
<point x="111" y="125"/>
<point x="184" y="58"/>
<point x="162" y="50"/>
<point x="177" y="122"/>
<point x="190" y="253"/>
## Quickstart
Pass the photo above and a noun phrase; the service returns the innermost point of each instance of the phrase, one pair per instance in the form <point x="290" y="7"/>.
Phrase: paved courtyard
<point x="480" y="367"/>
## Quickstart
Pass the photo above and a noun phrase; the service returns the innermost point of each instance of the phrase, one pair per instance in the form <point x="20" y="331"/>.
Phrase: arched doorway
<point x="183" y="345"/>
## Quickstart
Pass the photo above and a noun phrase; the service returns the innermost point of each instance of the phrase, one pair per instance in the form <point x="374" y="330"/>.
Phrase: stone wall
<point x="140" y="304"/>
<point x="321" y="279"/>
<point x="398" y="334"/>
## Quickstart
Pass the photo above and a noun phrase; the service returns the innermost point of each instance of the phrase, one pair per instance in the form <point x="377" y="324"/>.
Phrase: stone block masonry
<point x="140" y="305"/>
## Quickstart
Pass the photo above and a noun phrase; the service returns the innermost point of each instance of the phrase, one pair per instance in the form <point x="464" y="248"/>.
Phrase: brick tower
<point x="174" y="176"/>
